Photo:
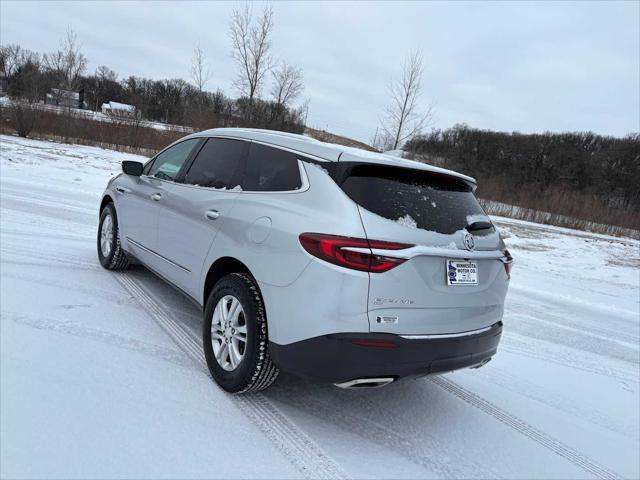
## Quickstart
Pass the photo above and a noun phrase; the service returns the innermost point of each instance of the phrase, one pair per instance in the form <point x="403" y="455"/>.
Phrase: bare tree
<point x="251" y="49"/>
<point x="10" y="59"/>
<point x="304" y="110"/>
<point x="104" y="73"/>
<point x="69" y="63"/>
<point x="288" y="84"/>
<point x="200" y="73"/>
<point x="21" y="70"/>
<point x="24" y="68"/>
<point x="104" y="77"/>
<point x="404" y="117"/>
<point x="376" y="141"/>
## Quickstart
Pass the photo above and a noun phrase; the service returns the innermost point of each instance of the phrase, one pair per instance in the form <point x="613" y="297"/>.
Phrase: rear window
<point x="414" y="198"/>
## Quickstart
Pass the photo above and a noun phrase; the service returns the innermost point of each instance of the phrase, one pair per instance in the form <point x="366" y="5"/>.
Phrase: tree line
<point x="580" y="174"/>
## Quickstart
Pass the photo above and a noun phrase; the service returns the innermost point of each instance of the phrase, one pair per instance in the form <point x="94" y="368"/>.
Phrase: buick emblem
<point x="469" y="242"/>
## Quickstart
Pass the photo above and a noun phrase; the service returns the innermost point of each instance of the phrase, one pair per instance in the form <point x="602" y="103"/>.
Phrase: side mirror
<point x="132" y="168"/>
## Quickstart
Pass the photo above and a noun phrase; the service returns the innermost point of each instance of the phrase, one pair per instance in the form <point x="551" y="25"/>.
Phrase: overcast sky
<point x="529" y="67"/>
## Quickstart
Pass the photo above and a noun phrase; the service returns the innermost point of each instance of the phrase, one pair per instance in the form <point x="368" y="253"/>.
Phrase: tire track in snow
<point x="372" y="423"/>
<point x="544" y="351"/>
<point x="570" y="303"/>
<point x="504" y="379"/>
<point x="53" y="236"/>
<point x="42" y="201"/>
<point x="538" y="436"/>
<point x="45" y="223"/>
<point x="560" y="335"/>
<point x="83" y="288"/>
<point x="296" y="446"/>
<point x="78" y="215"/>
<point x="571" y="312"/>
<point x="76" y="329"/>
<point x="616" y="328"/>
<point x="48" y="258"/>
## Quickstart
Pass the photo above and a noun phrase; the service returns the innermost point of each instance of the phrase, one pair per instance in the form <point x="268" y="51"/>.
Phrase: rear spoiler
<point x="364" y="157"/>
<point x="341" y="170"/>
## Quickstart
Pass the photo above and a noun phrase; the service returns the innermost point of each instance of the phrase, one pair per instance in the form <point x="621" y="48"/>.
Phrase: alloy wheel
<point x="106" y="236"/>
<point x="229" y="333"/>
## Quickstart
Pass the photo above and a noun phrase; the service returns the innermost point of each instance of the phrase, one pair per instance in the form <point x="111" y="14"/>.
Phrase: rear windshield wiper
<point x="479" y="225"/>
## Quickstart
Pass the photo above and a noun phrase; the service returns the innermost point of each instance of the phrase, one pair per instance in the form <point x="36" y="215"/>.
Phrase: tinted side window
<point x="415" y="198"/>
<point x="168" y="163"/>
<point x="271" y="170"/>
<point x="219" y="164"/>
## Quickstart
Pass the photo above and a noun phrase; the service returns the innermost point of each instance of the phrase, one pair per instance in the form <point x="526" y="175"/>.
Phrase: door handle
<point x="122" y="190"/>
<point x="156" y="197"/>
<point x="212" y="214"/>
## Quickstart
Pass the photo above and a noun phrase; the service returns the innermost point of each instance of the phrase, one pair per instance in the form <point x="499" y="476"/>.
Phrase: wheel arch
<point x="221" y="267"/>
<point x="105" y="200"/>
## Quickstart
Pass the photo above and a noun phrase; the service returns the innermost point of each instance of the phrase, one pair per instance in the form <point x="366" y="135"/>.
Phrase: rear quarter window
<point x="271" y="170"/>
<point x="414" y="198"/>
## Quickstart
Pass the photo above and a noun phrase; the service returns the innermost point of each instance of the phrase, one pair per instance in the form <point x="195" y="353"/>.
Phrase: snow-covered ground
<point x="101" y="374"/>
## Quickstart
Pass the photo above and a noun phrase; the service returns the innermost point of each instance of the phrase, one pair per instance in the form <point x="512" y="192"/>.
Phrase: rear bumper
<point x="342" y="357"/>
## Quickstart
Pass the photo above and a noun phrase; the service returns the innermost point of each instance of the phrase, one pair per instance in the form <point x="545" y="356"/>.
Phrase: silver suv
<point x="328" y="262"/>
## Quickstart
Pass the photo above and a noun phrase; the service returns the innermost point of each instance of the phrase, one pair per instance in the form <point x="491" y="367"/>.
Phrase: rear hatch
<point x="453" y="279"/>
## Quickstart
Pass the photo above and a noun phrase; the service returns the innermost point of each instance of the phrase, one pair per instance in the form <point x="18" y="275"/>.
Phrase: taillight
<point x="354" y="253"/>
<point x="508" y="262"/>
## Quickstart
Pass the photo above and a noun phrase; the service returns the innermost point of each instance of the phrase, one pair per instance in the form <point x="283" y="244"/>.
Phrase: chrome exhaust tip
<point x="366" y="382"/>
<point x="482" y="363"/>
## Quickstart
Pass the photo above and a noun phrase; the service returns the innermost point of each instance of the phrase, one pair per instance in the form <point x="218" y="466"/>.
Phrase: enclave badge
<point x="469" y="242"/>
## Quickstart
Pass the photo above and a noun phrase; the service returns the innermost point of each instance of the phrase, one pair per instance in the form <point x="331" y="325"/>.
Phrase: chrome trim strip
<point x="303" y="188"/>
<point x="420" y="250"/>
<point x="274" y="145"/>
<point x="303" y="173"/>
<point x="142" y="247"/>
<point x="447" y="335"/>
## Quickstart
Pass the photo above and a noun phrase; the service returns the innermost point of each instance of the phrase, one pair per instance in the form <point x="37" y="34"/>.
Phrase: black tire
<point x="117" y="258"/>
<point x="256" y="371"/>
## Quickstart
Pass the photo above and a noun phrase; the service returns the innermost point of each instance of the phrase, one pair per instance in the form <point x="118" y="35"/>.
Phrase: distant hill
<point x="329" y="137"/>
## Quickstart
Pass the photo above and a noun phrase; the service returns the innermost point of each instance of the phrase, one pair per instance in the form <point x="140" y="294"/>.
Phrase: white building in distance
<point x="118" y="109"/>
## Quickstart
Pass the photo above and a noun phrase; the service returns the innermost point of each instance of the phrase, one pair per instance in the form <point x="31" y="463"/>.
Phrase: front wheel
<point x="235" y="338"/>
<point x="110" y="252"/>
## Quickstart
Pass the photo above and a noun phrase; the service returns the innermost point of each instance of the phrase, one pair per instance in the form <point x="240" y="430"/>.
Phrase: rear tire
<point x="255" y="370"/>
<point x="110" y="252"/>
